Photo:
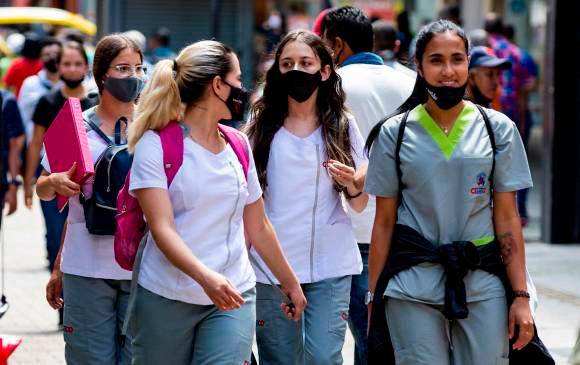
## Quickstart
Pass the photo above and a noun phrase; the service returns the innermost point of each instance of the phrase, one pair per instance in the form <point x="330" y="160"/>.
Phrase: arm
<point x="54" y="286"/>
<point x="15" y="147"/>
<point x="383" y="227"/>
<point x="48" y="185"/>
<point x="159" y="214"/>
<point x="263" y="237"/>
<point x="360" y="177"/>
<point x="347" y="177"/>
<point x="32" y="158"/>
<point x="508" y="229"/>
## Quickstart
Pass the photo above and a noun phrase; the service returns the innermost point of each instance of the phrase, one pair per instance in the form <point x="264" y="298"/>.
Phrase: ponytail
<point x="159" y="103"/>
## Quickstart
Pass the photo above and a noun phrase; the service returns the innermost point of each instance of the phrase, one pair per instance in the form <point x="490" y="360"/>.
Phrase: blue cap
<point x="485" y="57"/>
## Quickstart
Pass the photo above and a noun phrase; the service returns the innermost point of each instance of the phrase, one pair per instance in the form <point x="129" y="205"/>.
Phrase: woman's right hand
<point x="298" y="301"/>
<point x="54" y="289"/>
<point x="62" y="184"/>
<point x="221" y="291"/>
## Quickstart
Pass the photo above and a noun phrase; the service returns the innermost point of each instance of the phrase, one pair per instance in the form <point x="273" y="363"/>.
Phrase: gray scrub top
<point x="446" y="196"/>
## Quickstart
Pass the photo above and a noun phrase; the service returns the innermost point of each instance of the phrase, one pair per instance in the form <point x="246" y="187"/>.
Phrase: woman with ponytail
<point x="95" y="289"/>
<point x="447" y="253"/>
<point x="196" y="297"/>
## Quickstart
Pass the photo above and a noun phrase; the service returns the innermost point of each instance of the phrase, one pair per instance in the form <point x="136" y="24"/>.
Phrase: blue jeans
<point x="54" y="223"/>
<point x="358" y="318"/>
<point x="317" y="339"/>
<point x="3" y="190"/>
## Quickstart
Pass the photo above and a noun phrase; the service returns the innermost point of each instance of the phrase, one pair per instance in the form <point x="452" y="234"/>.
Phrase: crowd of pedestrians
<point x="364" y="192"/>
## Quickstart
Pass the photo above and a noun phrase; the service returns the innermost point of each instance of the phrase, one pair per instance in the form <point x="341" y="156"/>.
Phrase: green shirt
<point x="447" y="192"/>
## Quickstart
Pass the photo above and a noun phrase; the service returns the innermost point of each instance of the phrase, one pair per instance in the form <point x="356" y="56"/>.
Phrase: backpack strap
<point x="99" y="132"/>
<point x="118" y="129"/>
<point x="400" y="136"/>
<point x="103" y="136"/>
<point x="172" y="145"/>
<point x="491" y="141"/>
<point x="238" y="144"/>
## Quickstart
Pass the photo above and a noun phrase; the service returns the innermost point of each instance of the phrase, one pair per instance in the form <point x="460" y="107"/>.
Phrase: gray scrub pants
<point x="94" y="313"/>
<point x="421" y="335"/>
<point x="178" y="333"/>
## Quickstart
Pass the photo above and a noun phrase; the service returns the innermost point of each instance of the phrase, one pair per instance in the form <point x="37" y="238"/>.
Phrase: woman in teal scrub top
<point x="446" y="160"/>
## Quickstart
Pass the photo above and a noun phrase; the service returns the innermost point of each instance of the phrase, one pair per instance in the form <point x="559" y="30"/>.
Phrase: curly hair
<point x="269" y="112"/>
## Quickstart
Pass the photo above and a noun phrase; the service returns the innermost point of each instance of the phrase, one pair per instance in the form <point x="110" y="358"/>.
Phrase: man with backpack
<point x="373" y="90"/>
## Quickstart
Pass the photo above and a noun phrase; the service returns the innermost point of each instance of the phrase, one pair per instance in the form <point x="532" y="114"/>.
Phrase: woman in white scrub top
<point x="95" y="288"/>
<point x="308" y="151"/>
<point x="196" y="297"/>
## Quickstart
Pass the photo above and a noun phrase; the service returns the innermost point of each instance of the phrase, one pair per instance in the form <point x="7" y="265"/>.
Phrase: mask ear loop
<point x="217" y="95"/>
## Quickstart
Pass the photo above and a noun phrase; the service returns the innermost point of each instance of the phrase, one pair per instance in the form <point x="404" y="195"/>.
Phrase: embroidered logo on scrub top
<point x="479" y="187"/>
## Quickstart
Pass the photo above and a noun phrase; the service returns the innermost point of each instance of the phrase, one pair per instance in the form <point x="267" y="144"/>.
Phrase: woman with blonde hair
<point x="196" y="282"/>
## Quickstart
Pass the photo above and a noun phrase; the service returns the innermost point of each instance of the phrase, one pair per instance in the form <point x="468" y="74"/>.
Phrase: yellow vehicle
<point x="42" y="15"/>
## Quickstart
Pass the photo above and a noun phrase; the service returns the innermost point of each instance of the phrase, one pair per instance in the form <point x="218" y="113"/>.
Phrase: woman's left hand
<point x="520" y="315"/>
<point x="341" y="173"/>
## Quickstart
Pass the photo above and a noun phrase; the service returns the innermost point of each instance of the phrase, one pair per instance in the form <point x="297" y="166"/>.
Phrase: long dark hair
<point x="419" y="94"/>
<point x="269" y="112"/>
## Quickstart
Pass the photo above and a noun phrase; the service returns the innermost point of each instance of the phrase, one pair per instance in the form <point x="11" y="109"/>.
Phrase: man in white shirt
<point x="373" y="91"/>
<point x="35" y="86"/>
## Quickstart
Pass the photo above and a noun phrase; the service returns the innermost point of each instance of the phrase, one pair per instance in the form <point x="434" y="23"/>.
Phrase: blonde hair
<point x="178" y="82"/>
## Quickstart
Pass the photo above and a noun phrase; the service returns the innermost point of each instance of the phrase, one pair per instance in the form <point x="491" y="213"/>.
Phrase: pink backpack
<point x="131" y="226"/>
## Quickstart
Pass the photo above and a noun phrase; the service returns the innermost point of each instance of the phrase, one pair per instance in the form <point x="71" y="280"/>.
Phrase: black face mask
<point x="300" y="85"/>
<point x="446" y="97"/>
<point x="71" y="84"/>
<point x="51" y="65"/>
<point x="236" y="102"/>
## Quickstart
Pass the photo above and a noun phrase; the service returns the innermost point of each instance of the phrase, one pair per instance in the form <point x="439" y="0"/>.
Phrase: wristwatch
<point x="369" y="297"/>
<point x="521" y="294"/>
<point x="15" y="182"/>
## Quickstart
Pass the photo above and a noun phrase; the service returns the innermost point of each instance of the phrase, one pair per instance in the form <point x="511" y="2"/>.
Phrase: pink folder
<point x="65" y="142"/>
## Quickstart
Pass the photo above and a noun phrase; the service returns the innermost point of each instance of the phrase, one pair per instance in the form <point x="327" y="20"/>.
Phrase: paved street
<point x="555" y="269"/>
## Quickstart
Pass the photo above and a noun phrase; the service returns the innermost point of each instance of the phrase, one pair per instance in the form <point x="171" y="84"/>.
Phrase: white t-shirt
<point x="309" y="216"/>
<point x="208" y="195"/>
<point x="372" y="93"/>
<point x="33" y="88"/>
<point x="86" y="254"/>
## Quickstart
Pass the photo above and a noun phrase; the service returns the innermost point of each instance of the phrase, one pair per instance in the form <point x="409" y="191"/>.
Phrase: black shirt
<point x="10" y="127"/>
<point x="50" y="104"/>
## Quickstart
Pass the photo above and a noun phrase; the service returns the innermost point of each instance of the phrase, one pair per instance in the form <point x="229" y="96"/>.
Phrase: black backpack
<point x="111" y="169"/>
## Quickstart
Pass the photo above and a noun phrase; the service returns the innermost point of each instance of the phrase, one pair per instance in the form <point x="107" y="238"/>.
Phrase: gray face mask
<point x="124" y="89"/>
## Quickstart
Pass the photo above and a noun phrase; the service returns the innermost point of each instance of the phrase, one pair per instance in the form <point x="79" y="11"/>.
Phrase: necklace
<point x="444" y="129"/>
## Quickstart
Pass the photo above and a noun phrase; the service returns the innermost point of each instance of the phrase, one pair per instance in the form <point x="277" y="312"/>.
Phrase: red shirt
<point x="19" y="70"/>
